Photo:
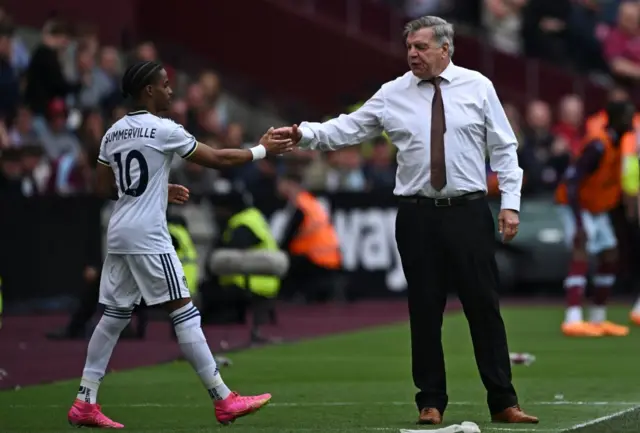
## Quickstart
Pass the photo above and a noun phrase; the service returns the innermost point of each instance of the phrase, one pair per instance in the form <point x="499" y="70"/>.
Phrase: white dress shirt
<point x="476" y="124"/>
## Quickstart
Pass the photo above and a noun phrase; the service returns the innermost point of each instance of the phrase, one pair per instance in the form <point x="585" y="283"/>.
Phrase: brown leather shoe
<point x="430" y="415"/>
<point x="513" y="415"/>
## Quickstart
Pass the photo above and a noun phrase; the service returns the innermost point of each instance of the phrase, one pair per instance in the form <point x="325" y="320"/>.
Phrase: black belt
<point x="441" y="202"/>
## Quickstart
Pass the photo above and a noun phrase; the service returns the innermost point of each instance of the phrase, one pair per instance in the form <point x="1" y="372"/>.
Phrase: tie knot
<point x="435" y="81"/>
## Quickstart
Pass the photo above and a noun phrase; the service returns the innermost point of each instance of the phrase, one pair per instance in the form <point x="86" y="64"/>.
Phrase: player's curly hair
<point x="137" y="76"/>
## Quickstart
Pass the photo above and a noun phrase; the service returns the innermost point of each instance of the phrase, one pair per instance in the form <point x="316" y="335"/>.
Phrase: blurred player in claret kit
<point x="134" y="162"/>
<point x="591" y="189"/>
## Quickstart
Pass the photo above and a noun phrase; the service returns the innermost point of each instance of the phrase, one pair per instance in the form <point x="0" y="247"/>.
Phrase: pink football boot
<point x="84" y="414"/>
<point x="236" y="406"/>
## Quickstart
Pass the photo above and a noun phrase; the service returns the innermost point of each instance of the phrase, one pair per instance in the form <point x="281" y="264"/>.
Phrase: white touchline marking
<point x="352" y="403"/>
<point x="520" y="429"/>
<point x="601" y="419"/>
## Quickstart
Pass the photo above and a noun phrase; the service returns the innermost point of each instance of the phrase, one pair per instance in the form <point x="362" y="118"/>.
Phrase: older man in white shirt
<point x="443" y="119"/>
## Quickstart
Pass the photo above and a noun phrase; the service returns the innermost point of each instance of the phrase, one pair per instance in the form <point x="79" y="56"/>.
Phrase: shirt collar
<point x="449" y="73"/>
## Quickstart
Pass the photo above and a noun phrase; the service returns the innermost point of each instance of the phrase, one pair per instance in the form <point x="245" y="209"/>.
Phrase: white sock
<point x="186" y="321"/>
<point x="598" y="314"/>
<point x="101" y="345"/>
<point x="636" y="307"/>
<point x="573" y="314"/>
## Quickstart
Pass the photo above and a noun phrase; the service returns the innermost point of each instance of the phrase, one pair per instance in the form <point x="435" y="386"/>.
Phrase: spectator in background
<point x="380" y="167"/>
<point x="544" y="29"/>
<point x="36" y="170"/>
<point x="107" y="77"/>
<point x="513" y="115"/>
<point x="543" y="157"/>
<point x="9" y="76"/>
<point x="147" y="52"/>
<point x="570" y="125"/>
<point x="86" y="39"/>
<point x="196" y="110"/>
<point x="91" y="91"/>
<point x="210" y="84"/>
<point x="72" y="174"/>
<point x="4" y="135"/>
<point x="19" y="53"/>
<point x="45" y="78"/>
<point x="22" y="131"/>
<point x="345" y="172"/>
<point x="56" y="139"/>
<point x="90" y="133"/>
<point x="235" y="139"/>
<point x="622" y="44"/>
<point x="179" y="110"/>
<point x="537" y="130"/>
<point x="11" y="172"/>
<point x="502" y="20"/>
<point x="199" y="180"/>
<point x="585" y="17"/>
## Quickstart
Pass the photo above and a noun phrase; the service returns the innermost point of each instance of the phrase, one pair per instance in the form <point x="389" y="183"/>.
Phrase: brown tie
<point x="438" y="128"/>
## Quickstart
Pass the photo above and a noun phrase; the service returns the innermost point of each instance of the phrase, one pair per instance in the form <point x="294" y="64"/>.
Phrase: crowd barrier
<point x="44" y="245"/>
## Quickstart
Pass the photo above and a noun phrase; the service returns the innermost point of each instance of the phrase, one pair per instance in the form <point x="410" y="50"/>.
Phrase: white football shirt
<point x="139" y="148"/>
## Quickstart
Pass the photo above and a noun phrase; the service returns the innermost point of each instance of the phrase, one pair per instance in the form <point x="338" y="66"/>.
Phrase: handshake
<point x="281" y="140"/>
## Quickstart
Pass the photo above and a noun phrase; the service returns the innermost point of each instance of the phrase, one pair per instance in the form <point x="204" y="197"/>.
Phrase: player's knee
<point x="176" y="304"/>
<point x="114" y="320"/>
<point x="610" y="255"/>
<point x="579" y="254"/>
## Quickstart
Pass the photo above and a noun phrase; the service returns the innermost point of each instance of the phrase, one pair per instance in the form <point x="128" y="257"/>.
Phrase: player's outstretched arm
<point x="105" y="182"/>
<point x="220" y="158"/>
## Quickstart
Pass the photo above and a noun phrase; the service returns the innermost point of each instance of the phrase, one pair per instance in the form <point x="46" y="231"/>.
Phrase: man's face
<point x="30" y="162"/>
<point x="424" y="55"/>
<point x="5" y="46"/>
<point x="11" y="169"/>
<point x="161" y="92"/>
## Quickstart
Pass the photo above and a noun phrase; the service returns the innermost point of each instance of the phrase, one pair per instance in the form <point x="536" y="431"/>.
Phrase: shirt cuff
<point x="307" y="137"/>
<point x="511" y="202"/>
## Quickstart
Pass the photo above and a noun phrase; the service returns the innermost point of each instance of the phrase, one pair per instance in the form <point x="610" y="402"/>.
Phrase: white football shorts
<point x="126" y="278"/>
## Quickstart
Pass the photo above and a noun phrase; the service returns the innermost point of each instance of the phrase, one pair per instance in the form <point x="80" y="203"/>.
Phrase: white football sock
<point x="598" y="314"/>
<point x="101" y="345"/>
<point x="573" y="314"/>
<point x="186" y="321"/>
<point x="636" y="307"/>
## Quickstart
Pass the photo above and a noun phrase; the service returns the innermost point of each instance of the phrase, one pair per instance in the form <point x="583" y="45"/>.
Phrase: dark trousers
<point x="308" y="281"/>
<point x="87" y="307"/>
<point x="442" y="247"/>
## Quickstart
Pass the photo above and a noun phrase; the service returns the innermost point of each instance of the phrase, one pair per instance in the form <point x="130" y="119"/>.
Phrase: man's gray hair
<point x="442" y="30"/>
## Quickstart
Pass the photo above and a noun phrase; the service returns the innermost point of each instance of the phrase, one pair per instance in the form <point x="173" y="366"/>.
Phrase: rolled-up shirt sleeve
<point x="346" y="129"/>
<point x="502" y="146"/>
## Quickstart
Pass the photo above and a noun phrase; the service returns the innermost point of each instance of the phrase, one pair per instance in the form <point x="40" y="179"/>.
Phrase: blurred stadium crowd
<point x="60" y="93"/>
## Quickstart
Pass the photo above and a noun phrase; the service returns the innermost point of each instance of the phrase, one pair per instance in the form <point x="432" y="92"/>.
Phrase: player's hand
<point x="580" y="238"/>
<point x="178" y="194"/>
<point x="508" y="222"/>
<point x="90" y="274"/>
<point x="276" y="145"/>
<point x="291" y="132"/>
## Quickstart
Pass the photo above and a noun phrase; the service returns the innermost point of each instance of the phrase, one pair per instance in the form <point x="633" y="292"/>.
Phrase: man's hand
<point x="178" y="194"/>
<point x="290" y="132"/>
<point x="276" y="144"/>
<point x="508" y="222"/>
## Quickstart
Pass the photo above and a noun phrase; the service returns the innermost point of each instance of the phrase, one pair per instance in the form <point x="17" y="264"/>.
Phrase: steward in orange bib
<point x="312" y="243"/>
<point x="591" y="188"/>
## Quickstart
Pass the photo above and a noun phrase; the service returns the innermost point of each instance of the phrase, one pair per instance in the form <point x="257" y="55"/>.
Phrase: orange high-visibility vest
<point x="601" y="191"/>
<point x="316" y="238"/>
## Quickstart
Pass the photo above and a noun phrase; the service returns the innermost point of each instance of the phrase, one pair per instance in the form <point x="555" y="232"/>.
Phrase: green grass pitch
<point x="360" y="382"/>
